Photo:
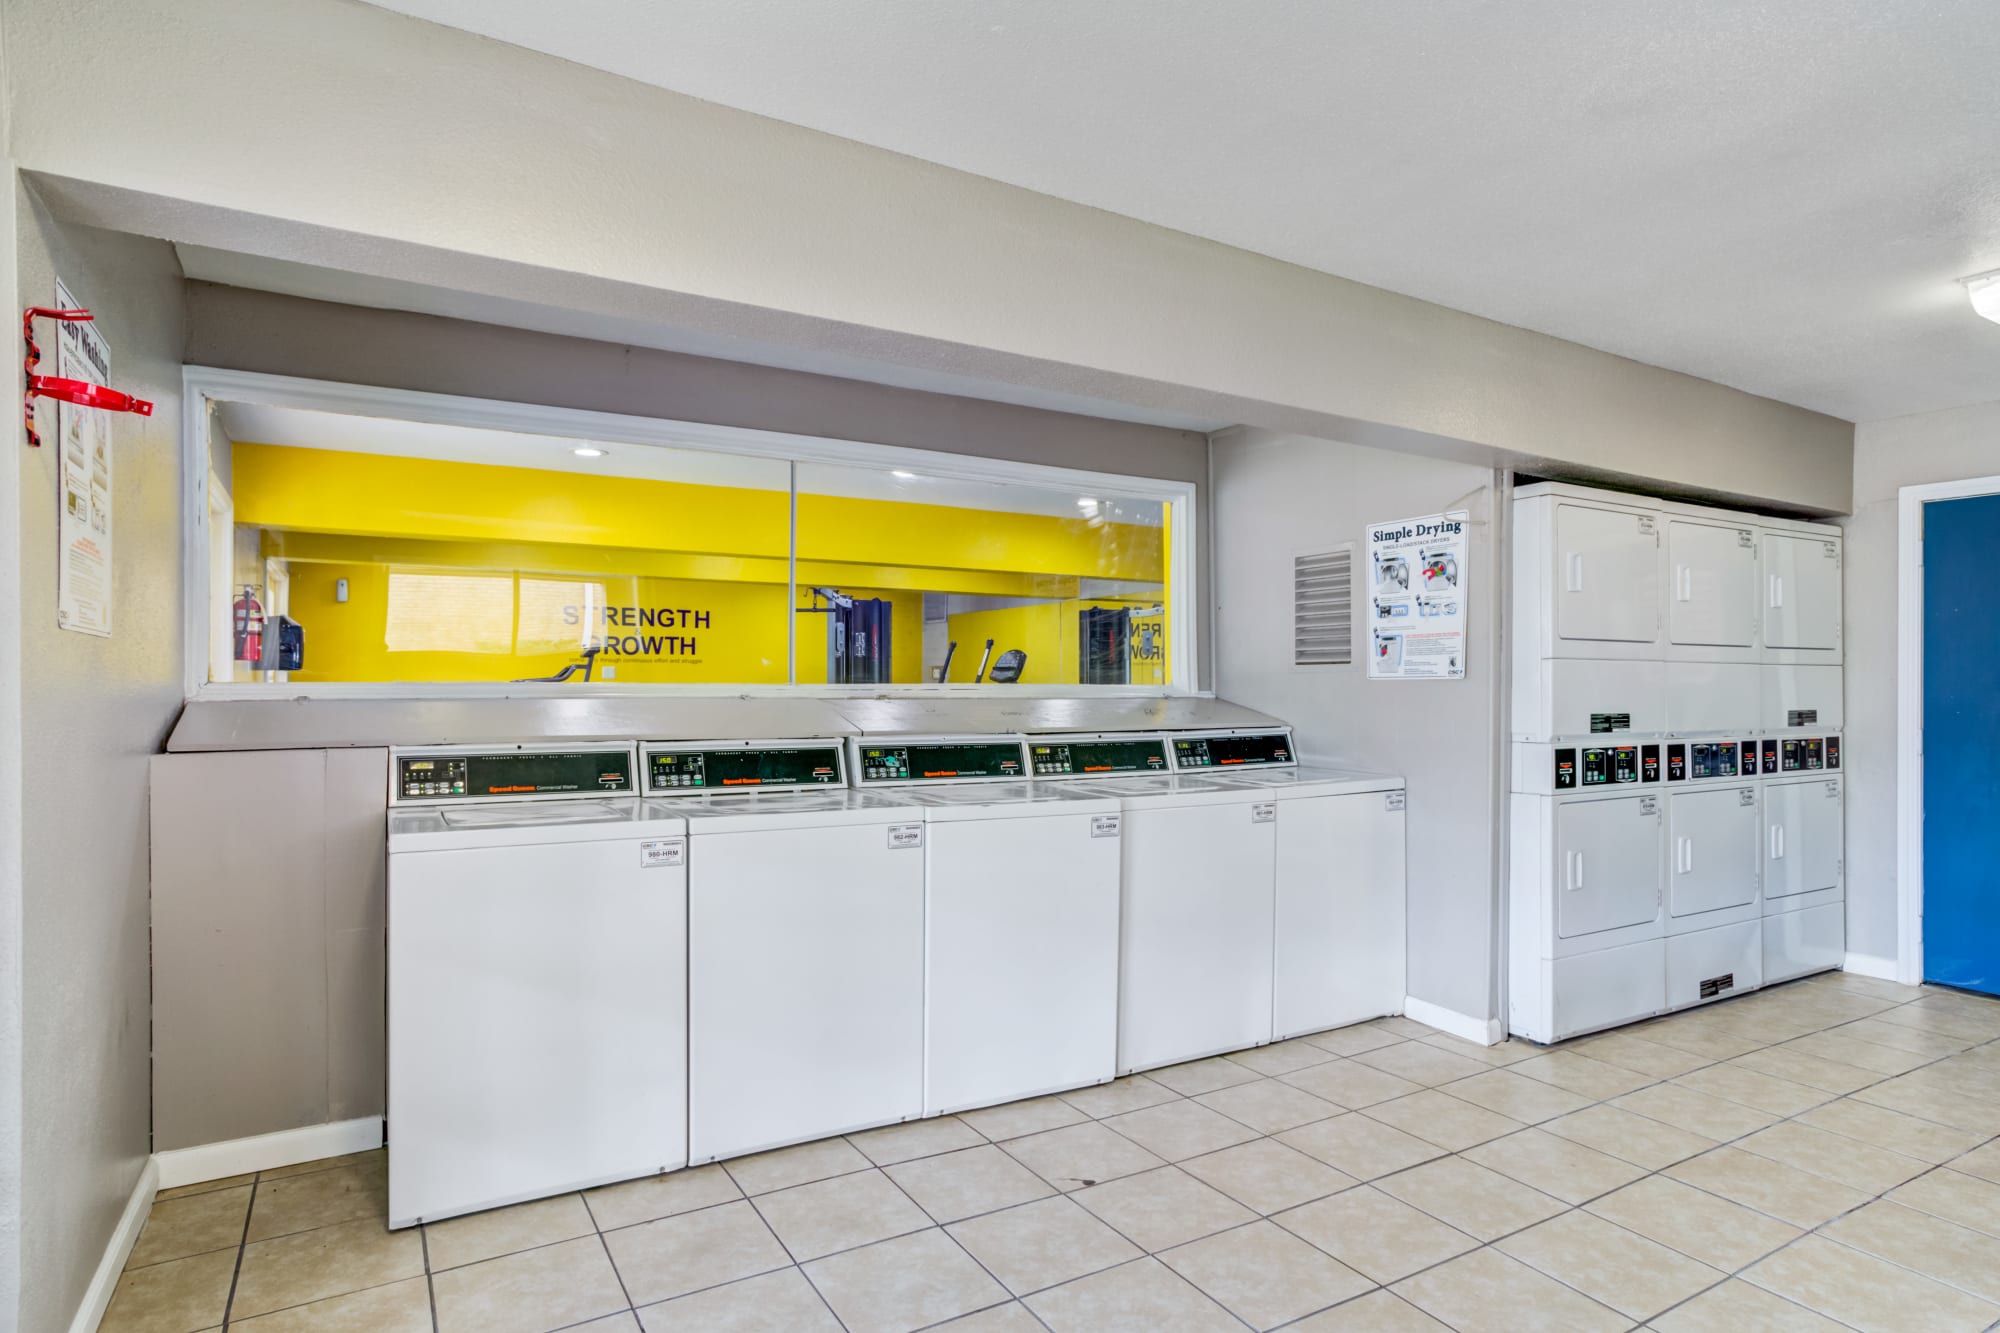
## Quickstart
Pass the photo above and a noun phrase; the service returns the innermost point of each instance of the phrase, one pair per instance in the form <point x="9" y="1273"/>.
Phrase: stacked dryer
<point x="1660" y="646"/>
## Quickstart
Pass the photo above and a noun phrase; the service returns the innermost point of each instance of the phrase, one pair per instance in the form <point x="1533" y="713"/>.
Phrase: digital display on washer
<point x="940" y="761"/>
<point x="1805" y="755"/>
<point x="511" y="773"/>
<point x="1614" y="764"/>
<point x="678" y="772"/>
<point x="1273" y="747"/>
<point x="1064" y="758"/>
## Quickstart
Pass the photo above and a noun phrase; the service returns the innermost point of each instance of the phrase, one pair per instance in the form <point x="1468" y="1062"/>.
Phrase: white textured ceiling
<point x="1774" y="194"/>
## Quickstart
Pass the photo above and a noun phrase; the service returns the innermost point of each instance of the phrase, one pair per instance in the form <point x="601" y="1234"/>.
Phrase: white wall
<point x="93" y="710"/>
<point x="1276" y="497"/>
<point x="10" y="809"/>
<point x="1905" y="451"/>
<point x="339" y="135"/>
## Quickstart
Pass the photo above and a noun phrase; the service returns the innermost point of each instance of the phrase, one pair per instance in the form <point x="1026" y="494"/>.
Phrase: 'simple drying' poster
<point x="1416" y="598"/>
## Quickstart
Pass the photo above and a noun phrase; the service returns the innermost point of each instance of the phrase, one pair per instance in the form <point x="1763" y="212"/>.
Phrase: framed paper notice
<point x="83" y="470"/>
<point x="1417" y="598"/>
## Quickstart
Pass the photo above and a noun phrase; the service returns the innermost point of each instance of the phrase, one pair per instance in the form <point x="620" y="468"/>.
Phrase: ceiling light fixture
<point x="1984" y="291"/>
<point x="901" y="475"/>
<point x="1086" y="503"/>
<point x="587" y="452"/>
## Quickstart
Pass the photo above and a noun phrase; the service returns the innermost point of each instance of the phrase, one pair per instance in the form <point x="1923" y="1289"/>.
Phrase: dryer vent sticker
<point x="1418" y="586"/>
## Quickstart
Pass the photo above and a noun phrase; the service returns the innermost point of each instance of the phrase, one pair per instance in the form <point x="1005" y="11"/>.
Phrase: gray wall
<point x="1906" y="451"/>
<point x="233" y="328"/>
<point x="1277" y="497"/>
<point x="10" y="799"/>
<point x="94" y="710"/>
<point x="269" y="912"/>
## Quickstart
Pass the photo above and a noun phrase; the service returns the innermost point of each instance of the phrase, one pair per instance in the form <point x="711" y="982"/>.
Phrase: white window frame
<point x="203" y="384"/>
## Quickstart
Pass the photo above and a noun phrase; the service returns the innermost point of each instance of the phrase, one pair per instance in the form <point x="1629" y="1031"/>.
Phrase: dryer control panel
<point x="677" y="770"/>
<point x="1808" y="754"/>
<point x="1605" y="766"/>
<point x="1203" y="753"/>
<point x="1056" y="757"/>
<point x="938" y="759"/>
<point x="523" y="773"/>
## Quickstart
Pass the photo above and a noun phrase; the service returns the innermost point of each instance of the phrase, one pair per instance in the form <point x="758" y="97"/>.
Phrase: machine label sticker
<point x="1649" y="805"/>
<point x="1833" y="791"/>
<point x="1746" y="797"/>
<point x="1264" y="812"/>
<point x="906" y="835"/>
<point x="1104" y="826"/>
<point x="1744" y="539"/>
<point x="1600" y="722"/>
<point x="1646" y="524"/>
<point x="1714" y="986"/>
<point x="1802" y="717"/>
<point x="662" y="853"/>
<point x="1393" y="801"/>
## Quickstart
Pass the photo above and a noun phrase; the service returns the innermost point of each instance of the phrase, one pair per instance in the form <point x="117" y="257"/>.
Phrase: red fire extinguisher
<point x="249" y="626"/>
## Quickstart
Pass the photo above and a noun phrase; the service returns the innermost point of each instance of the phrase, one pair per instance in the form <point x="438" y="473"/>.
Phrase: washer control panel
<point x="1808" y="754"/>
<point x="454" y="774"/>
<point x="1605" y="766"/>
<point x="678" y="770"/>
<point x="1202" y="753"/>
<point x="924" y="759"/>
<point x="1056" y="757"/>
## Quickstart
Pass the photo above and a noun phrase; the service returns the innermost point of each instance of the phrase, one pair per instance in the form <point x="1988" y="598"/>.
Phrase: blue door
<point x="1961" y="740"/>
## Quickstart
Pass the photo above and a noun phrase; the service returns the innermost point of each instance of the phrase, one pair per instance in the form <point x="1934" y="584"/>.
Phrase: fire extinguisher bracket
<point x="81" y="392"/>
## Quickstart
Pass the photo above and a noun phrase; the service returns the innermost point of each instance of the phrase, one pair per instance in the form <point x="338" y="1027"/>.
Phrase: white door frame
<point x="1910" y="502"/>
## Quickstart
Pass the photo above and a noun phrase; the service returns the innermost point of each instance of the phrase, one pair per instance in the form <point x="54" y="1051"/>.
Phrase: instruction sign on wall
<point x="83" y="469"/>
<point x="1417" y="598"/>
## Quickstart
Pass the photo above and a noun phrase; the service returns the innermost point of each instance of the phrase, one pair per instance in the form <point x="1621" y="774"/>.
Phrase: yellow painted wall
<point x="324" y="490"/>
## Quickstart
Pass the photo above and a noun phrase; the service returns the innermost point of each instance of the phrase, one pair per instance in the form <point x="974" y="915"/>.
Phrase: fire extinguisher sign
<point x="83" y="467"/>
<point x="1417" y="594"/>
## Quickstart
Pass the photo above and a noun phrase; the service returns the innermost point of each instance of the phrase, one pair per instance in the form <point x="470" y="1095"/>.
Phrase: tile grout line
<point x="249" y="1211"/>
<point x="430" y="1285"/>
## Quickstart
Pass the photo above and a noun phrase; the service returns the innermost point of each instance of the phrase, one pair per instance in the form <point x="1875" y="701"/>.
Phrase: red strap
<point x="81" y="392"/>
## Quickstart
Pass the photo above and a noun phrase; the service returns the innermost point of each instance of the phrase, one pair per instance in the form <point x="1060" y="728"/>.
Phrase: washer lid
<point x="1006" y="800"/>
<point x="739" y="812"/>
<point x="522" y="823"/>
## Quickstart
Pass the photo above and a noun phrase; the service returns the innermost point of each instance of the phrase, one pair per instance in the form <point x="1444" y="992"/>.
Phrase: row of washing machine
<point x="610" y="960"/>
<point x="1650" y="876"/>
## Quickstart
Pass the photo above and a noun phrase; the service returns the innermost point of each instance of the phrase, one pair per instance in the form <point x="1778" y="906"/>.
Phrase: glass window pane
<point x="906" y="578"/>
<point x="411" y="552"/>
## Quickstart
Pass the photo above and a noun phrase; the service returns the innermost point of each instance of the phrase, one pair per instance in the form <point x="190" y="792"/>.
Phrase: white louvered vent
<point x="1323" y="608"/>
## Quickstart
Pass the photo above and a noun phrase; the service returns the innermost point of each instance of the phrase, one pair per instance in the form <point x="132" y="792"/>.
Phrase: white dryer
<point x="1021" y="912"/>
<point x="1588" y="899"/>
<point x="805" y="945"/>
<point x="537" y="977"/>
<point x="1714" y="872"/>
<point x="1805" y="912"/>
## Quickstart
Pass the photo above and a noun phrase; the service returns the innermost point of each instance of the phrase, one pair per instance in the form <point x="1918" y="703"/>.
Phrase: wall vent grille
<point x="1323" y="608"/>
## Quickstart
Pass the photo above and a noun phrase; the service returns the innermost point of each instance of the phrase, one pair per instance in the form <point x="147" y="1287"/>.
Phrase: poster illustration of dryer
<point x="1417" y="598"/>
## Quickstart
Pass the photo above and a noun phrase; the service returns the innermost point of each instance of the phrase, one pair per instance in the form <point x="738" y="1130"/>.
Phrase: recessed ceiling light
<point x="1984" y="289"/>
<point x="587" y="452"/>
<point x="903" y="476"/>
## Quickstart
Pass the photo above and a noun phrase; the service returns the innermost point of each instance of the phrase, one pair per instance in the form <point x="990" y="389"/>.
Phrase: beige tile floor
<point x="1818" y="1156"/>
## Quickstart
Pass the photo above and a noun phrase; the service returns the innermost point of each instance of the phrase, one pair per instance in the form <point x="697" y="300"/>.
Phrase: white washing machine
<point x="1714" y="869"/>
<point x="1805" y="912"/>
<point x="1021" y="912"/>
<point x="1339" y="930"/>
<point x="1587" y="934"/>
<point x="805" y="945"/>
<point x="537" y="977"/>
<point x="1197" y="893"/>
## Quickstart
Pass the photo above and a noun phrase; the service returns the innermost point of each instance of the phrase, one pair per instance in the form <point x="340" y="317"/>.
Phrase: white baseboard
<point x="1485" y="1031"/>
<point x="287" y="1147"/>
<point x="1868" y="965"/>
<point x="97" y="1296"/>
